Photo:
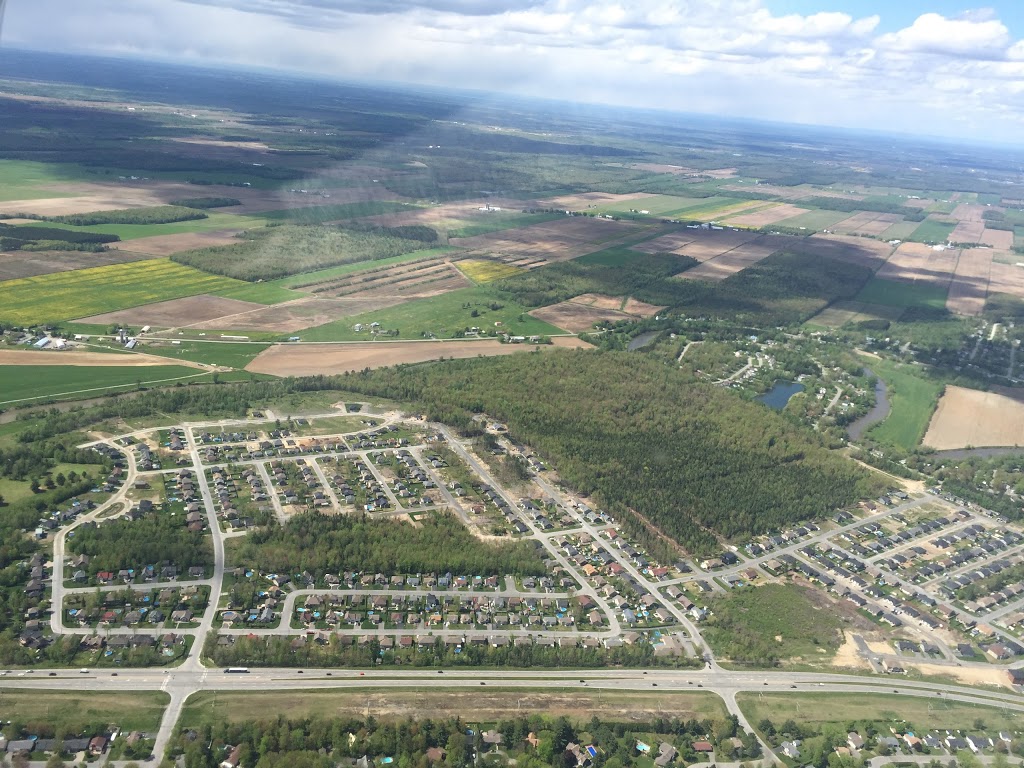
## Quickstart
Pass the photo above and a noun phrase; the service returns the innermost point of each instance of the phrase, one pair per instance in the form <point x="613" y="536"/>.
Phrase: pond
<point x="642" y="340"/>
<point x="779" y="395"/>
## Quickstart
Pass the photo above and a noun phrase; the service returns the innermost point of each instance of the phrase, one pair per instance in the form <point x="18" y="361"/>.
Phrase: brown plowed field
<point x="294" y="316"/>
<point x="739" y="258"/>
<point x="583" y="312"/>
<point x="867" y="223"/>
<point x="165" y="245"/>
<point x="312" y="359"/>
<point x="559" y="240"/>
<point x="999" y="239"/>
<point x="176" y="312"/>
<point x="767" y="216"/>
<point x="967" y="417"/>
<point x="28" y="264"/>
<point x="916" y="262"/>
<point x="1007" y="278"/>
<point x="854" y="250"/>
<point x="969" y="289"/>
<point x="709" y="243"/>
<point x="91" y="359"/>
<point x="969" y="232"/>
<point x="673" y="242"/>
<point x="968" y="212"/>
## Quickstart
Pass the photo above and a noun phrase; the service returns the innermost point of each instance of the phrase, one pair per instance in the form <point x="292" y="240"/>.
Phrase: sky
<point x="936" y="67"/>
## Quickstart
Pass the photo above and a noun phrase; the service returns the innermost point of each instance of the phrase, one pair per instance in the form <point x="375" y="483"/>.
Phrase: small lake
<point x="780" y="394"/>
<point x="642" y="340"/>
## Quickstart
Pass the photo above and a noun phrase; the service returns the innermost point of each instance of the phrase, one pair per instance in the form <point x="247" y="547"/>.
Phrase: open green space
<point x="226" y="353"/>
<point x="473" y="706"/>
<point x="321" y="214"/>
<point x="27" y="383"/>
<point x="258" y="293"/>
<point x="69" y="295"/>
<point x="70" y="713"/>
<point x="814" y="219"/>
<point x="913" y="395"/>
<point x="496" y="221"/>
<point x="932" y="231"/>
<point x="212" y="223"/>
<point x="764" y="625"/>
<point x="14" y="490"/>
<point x="310" y="278"/>
<point x="901" y="230"/>
<point x="922" y="713"/>
<point x="656" y="205"/>
<point x="895" y="293"/>
<point x="445" y="316"/>
<point x="27" y="180"/>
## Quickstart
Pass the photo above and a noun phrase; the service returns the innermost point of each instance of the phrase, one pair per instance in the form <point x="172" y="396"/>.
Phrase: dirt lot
<point x="1007" y="278"/>
<point x="999" y="239"/>
<point x="165" y="245"/>
<point x="768" y="216"/>
<point x="18" y="264"/>
<point x="311" y="359"/>
<point x="854" y="250"/>
<point x="916" y="262"/>
<point x="559" y="240"/>
<point x="967" y="417"/>
<point x="867" y="223"/>
<point x="580" y="314"/>
<point x="78" y="357"/>
<point x="969" y="289"/>
<point x="739" y="258"/>
<point x="176" y="312"/>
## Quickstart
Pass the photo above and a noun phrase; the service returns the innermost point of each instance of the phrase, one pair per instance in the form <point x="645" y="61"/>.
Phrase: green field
<point x="496" y="221"/>
<point x="321" y="214"/>
<point x="259" y="293"/>
<point x="444" y="316"/>
<point x="226" y="353"/>
<point x="817" y="220"/>
<point x="923" y="713"/>
<point x="25" y="383"/>
<point x="71" y="713"/>
<point x="901" y="230"/>
<point x="657" y="205"/>
<point x="931" y="231"/>
<point x="309" y="278"/>
<point x="913" y="398"/>
<point x="69" y="295"/>
<point x="893" y="293"/>
<point x="213" y="222"/>
<point x="25" y="180"/>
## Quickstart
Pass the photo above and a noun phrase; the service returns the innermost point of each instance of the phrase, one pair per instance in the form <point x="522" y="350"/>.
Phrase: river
<point x="877" y="414"/>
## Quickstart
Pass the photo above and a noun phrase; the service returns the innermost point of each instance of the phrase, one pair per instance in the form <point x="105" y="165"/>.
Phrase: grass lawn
<point x="14" y="490"/>
<point x="894" y="293"/>
<point x="309" y="278"/>
<point x="815" y="219"/>
<point x="923" y="713"/>
<point x="444" y="316"/>
<point x="776" y="621"/>
<point x="83" y="292"/>
<point x="226" y="353"/>
<point x="913" y="397"/>
<point x="72" y="712"/>
<point x="931" y="231"/>
<point x="25" y="383"/>
<point x="473" y="706"/>
<point x="320" y="214"/>
<point x="213" y="222"/>
<point x="26" y="180"/>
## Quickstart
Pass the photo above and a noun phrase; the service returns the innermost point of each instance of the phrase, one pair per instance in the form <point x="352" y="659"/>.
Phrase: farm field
<point x="15" y="265"/>
<point x="314" y="359"/>
<point x="773" y="214"/>
<point x="471" y="706"/>
<point x="916" y="263"/>
<point x="27" y="180"/>
<point x="560" y="240"/>
<point x="68" y="295"/>
<point x="175" y="312"/>
<point x="971" y="418"/>
<point x="656" y="205"/>
<point x="213" y="223"/>
<point x="715" y="208"/>
<point x="486" y="271"/>
<point x="913" y="398"/>
<point x="165" y="245"/>
<point x="321" y="214"/>
<point x="933" y="231"/>
<point x="893" y="293"/>
<point x="221" y="353"/>
<point x="735" y="260"/>
<point x="22" y="383"/>
<point x="1007" y="278"/>
<point x="78" y="358"/>
<point x="324" y="275"/>
<point x="901" y="230"/>
<point x="861" y="251"/>
<point x="821" y="709"/>
<point x="583" y="312"/>
<point x="843" y="312"/>
<point x="969" y="288"/>
<point x="444" y="316"/>
<point x="71" y="712"/>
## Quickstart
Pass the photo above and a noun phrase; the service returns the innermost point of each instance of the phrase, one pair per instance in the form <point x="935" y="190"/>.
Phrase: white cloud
<point x="724" y="56"/>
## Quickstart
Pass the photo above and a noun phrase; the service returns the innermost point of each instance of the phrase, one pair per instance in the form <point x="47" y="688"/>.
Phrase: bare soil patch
<point x="968" y="417"/>
<point x="176" y="312"/>
<point x="1007" y="278"/>
<point x="735" y="260"/>
<point x="968" y="212"/>
<point x="89" y="359"/>
<point x="969" y="289"/>
<point x="969" y="232"/>
<point x="165" y="245"/>
<point x="312" y="359"/>
<point x="867" y="223"/>
<point x="18" y="264"/>
<point x="552" y="241"/>
<point x="767" y="216"/>
<point x="583" y="312"/>
<point x="673" y="242"/>
<point x="297" y="315"/>
<point x="917" y="262"/>
<point x="998" y="238"/>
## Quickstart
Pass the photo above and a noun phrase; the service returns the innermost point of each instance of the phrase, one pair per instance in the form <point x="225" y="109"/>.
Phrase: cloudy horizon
<point x="931" y="67"/>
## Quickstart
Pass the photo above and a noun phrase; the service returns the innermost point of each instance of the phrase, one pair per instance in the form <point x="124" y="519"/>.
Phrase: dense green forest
<point x="154" y="539"/>
<point x="324" y="544"/>
<point x="161" y="214"/>
<point x="321" y="742"/>
<point x="35" y="238"/>
<point x="279" y="251"/>
<point x="692" y="459"/>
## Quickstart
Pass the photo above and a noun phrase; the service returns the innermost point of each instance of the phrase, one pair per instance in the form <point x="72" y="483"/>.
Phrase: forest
<point x="694" y="461"/>
<point x="321" y="742"/>
<point x="439" y="543"/>
<point x="161" y="214"/>
<point x="132" y="544"/>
